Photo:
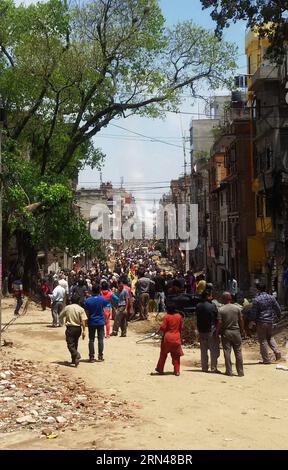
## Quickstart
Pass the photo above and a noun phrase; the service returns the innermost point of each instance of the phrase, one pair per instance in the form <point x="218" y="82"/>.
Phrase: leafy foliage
<point x="269" y="16"/>
<point x="56" y="223"/>
<point x="66" y="71"/>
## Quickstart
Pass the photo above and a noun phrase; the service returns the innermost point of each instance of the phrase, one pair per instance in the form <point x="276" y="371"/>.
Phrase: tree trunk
<point x="27" y="263"/>
<point x="5" y="257"/>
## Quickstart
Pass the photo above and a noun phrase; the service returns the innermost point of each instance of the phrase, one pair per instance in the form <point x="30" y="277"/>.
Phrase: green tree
<point x="260" y="13"/>
<point x="66" y="71"/>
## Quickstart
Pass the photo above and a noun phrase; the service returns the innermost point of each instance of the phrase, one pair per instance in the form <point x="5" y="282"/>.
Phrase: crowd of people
<point x="136" y="284"/>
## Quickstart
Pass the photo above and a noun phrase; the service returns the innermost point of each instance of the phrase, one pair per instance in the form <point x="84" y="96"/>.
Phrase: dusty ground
<point x="193" y="411"/>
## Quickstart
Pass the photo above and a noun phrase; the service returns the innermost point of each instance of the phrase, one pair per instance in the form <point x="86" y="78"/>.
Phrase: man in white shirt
<point x="57" y="302"/>
<point x="63" y="283"/>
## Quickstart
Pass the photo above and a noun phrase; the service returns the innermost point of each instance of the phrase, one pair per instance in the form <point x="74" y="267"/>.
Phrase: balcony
<point x="238" y="113"/>
<point x="265" y="73"/>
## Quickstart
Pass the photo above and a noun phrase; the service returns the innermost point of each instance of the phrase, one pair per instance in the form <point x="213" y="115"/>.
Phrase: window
<point x="232" y="159"/>
<point x="255" y="160"/>
<point x="262" y="161"/>
<point x="254" y="109"/>
<point x="259" y="208"/>
<point x="258" y="109"/>
<point x="269" y="206"/>
<point x="250" y="65"/>
<point x="269" y="156"/>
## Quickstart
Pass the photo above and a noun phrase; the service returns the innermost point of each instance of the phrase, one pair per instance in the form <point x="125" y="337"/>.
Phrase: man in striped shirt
<point x="265" y="310"/>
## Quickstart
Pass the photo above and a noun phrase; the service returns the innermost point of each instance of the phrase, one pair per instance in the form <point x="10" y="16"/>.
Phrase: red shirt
<point x="171" y="326"/>
<point x="45" y="289"/>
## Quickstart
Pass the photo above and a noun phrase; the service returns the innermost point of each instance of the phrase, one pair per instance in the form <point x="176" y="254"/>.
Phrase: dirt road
<point x="193" y="411"/>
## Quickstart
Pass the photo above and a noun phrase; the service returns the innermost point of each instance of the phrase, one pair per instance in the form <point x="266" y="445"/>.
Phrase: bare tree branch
<point x="8" y="56"/>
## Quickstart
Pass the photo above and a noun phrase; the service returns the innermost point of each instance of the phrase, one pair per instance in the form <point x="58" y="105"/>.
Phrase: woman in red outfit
<point x="171" y="327"/>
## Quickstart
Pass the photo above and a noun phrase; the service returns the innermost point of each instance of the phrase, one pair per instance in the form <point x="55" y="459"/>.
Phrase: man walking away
<point x="160" y="285"/>
<point x="265" y="310"/>
<point x="206" y="313"/>
<point x="230" y="324"/>
<point x="143" y="286"/>
<point x="57" y="300"/>
<point x="94" y="307"/>
<point x="17" y="288"/>
<point x="121" y="315"/>
<point x="78" y="293"/>
<point x="74" y="318"/>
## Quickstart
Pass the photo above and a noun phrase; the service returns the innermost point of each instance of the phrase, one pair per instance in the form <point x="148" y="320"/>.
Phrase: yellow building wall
<point x="256" y="253"/>
<point x="263" y="225"/>
<point x="254" y="48"/>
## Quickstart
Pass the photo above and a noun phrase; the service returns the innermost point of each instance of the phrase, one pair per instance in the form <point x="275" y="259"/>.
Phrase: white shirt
<point x="63" y="283"/>
<point x="58" y="294"/>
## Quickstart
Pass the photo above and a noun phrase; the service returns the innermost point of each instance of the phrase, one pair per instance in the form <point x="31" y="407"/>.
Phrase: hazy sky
<point x="138" y="161"/>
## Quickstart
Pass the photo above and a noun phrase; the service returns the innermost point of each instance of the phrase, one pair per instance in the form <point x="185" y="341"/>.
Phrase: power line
<point x="147" y="137"/>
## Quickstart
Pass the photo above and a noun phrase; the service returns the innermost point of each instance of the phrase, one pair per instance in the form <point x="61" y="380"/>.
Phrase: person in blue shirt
<point x="94" y="307"/>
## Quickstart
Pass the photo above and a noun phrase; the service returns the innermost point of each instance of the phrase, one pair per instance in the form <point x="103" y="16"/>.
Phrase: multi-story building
<point x="200" y="196"/>
<point x="180" y="193"/>
<point x="202" y="137"/>
<point x="232" y="206"/>
<point x="218" y="210"/>
<point x="114" y="199"/>
<point x="268" y="97"/>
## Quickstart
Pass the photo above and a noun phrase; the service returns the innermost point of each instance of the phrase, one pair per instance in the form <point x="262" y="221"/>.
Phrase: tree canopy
<point x="66" y="71"/>
<point x="258" y="13"/>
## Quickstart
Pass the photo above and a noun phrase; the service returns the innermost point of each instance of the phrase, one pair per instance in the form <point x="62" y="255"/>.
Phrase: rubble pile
<point x="43" y="398"/>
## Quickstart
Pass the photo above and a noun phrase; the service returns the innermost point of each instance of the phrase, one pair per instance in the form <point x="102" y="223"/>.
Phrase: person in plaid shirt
<point x="18" y="294"/>
<point x="265" y="310"/>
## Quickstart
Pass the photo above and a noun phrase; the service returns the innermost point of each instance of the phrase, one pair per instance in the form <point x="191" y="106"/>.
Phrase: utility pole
<point x="2" y="119"/>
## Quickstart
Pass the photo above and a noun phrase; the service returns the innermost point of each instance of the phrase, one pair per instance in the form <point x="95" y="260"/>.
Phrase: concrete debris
<point x="60" y="419"/>
<point x="33" y="395"/>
